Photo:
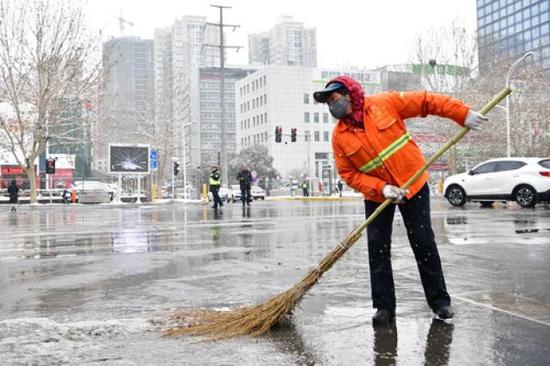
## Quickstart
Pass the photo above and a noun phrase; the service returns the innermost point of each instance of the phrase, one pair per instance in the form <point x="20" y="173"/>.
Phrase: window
<point x="316" y="136"/>
<point x="509" y="165"/>
<point x="325" y="117"/>
<point x="316" y="117"/>
<point x="265" y="117"/>
<point x="307" y="136"/>
<point x="545" y="163"/>
<point x="306" y="117"/>
<point x="265" y="98"/>
<point x="306" y="98"/>
<point x="485" y="168"/>
<point x="325" y="136"/>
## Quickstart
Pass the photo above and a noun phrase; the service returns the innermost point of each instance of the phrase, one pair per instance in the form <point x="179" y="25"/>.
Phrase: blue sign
<point x="153" y="159"/>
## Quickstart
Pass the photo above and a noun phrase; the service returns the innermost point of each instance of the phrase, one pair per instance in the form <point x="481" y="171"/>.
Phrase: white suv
<point x="524" y="180"/>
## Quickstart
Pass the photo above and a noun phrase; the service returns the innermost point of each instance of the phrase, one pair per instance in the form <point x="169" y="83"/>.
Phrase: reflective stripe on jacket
<point x="384" y="152"/>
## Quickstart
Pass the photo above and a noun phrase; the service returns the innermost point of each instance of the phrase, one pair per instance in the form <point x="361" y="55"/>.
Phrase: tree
<point x="47" y="57"/>
<point x="530" y="101"/>
<point x="447" y="63"/>
<point x="255" y="157"/>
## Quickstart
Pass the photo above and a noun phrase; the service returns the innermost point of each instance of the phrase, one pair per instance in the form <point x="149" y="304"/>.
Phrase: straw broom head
<point x="257" y="319"/>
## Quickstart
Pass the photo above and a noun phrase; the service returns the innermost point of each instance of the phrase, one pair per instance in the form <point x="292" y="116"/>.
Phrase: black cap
<point x="322" y="95"/>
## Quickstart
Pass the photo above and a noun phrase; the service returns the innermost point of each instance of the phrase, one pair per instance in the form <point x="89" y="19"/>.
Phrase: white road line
<point x="501" y="310"/>
<point x="473" y="302"/>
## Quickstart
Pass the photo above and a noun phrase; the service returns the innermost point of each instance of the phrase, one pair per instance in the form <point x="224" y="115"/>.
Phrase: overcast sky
<point x="349" y="33"/>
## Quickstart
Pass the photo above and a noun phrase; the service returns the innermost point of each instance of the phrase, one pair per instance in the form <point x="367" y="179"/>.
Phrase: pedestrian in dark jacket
<point x="215" y="183"/>
<point x="245" y="180"/>
<point x="65" y="196"/>
<point x="340" y="188"/>
<point x="13" y="191"/>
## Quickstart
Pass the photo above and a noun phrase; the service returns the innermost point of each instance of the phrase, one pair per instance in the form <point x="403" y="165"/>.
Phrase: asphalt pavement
<point x="89" y="285"/>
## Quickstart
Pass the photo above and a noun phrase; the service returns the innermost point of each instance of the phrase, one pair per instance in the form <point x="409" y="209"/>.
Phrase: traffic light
<point x="278" y="134"/>
<point x="176" y="167"/>
<point x="50" y="166"/>
<point x="293" y="134"/>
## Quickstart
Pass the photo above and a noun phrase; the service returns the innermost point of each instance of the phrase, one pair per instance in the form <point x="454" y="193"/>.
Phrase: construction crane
<point x="121" y="22"/>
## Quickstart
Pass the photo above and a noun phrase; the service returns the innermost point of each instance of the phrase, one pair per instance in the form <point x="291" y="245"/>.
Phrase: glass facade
<point x="509" y="28"/>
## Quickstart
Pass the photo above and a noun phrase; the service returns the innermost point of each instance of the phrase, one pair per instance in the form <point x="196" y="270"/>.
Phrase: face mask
<point x="339" y="108"/>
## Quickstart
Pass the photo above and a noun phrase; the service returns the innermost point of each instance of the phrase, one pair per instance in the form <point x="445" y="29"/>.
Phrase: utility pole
<point x="222" y="48"/>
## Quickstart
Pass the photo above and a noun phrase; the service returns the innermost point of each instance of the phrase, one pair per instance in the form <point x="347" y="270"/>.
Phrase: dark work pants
<point x="416" y="215"/>
<point x="216" y="196"/>
<point x="245" y="194"/>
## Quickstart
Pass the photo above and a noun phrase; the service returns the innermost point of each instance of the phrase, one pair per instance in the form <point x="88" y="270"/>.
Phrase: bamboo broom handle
<point x="457" y="137"/>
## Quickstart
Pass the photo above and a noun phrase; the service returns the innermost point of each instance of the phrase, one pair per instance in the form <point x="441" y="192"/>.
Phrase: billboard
<point x="129" y="159"/>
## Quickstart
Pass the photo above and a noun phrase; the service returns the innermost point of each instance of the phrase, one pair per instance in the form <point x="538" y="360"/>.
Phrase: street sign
<point x="153" y="160"/>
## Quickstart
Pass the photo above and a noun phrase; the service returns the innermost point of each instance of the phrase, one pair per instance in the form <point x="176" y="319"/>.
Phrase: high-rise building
<point x="508" y="29"/>
<point x="288" y="43"/>
<point x="127" y="108"/>
<point x="187" y="89"/>
<point x="179" y="53"/>
<point x="210" y="128"/>
<point x="258" y="48"/>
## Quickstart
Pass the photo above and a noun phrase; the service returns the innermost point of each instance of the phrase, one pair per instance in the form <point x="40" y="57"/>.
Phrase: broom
<point x="257" y="319"/>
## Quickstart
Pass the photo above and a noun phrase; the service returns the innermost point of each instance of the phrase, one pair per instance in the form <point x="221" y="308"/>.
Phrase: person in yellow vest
<point x="215" y="183"/>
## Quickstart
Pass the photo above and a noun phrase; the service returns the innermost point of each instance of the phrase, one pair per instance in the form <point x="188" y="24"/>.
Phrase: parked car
<point x="257" y="193"/>
<point x="524" y="180"/>
<point x="235" y="193"/>
<point x="224" y="194"/>
<point x="93" y="185"/>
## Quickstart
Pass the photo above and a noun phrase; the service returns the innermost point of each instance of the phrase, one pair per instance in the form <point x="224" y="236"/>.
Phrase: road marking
<point x="501" y="310"/>
<point x="473" y="302"/>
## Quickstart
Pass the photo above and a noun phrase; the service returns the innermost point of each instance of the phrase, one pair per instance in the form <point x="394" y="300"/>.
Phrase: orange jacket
<point x="383" y="152"/>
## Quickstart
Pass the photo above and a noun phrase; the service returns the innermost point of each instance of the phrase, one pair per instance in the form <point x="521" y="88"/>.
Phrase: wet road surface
<point x="80" y="284"/>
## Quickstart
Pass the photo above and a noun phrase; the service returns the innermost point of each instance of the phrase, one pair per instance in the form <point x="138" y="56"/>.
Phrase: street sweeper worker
<point x="376" y="155"/>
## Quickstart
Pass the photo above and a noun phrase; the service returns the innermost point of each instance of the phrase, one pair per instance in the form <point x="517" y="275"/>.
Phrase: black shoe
<point x="383" y="316"/>
<point x="444" y="312"/>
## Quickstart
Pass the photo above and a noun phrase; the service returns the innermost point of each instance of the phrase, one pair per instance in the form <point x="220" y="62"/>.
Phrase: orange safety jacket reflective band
<point x="386" y="153"/>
